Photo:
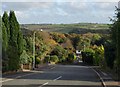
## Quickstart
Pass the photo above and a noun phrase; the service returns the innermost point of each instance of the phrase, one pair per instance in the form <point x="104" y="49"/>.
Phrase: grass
<point x="66" y="28"/>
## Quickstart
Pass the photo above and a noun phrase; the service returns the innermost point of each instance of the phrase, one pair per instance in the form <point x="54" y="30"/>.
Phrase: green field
<point x="68" y="28"/>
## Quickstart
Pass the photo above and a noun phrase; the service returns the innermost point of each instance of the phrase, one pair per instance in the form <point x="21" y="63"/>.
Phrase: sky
<point x="59" y="11"/>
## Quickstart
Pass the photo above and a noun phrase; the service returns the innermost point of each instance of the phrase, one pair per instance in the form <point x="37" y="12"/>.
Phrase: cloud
<point x="78" y="5"/>
<point x="60" y="0"/>
<point x="21" y="6"/>
<point x="28" y="0"/>
<point x="61" y="12"/>
<point x="103" y="0"/>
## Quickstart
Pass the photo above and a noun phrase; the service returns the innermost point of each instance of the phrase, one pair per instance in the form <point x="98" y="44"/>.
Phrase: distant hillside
<point x="79" y="28"/>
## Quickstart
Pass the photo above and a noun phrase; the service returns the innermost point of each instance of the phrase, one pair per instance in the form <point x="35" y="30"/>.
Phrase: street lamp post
<point x="33" y="50"/>
<point x="34" y="32"/>
<point x="84" y="48"/>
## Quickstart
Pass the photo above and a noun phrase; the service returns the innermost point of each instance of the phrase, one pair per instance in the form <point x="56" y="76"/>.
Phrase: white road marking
<point x="52" y="67"/>
<point x="18" y="77"/>
<point x="24" y="79"/>
<point x="57" y="78"/>
<point x="7" y="80"/>
<point x="44" y="84"/>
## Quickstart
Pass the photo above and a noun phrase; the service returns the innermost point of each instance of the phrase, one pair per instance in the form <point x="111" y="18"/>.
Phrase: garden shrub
<point x="47" y="59"/>
<point x="88" y="55"/>
<point x="54" y="58"/>
<point x="71" y="57"/>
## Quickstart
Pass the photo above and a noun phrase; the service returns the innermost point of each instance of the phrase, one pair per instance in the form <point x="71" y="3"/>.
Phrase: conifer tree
<point x="5" y="19"/>
<point x="4" y="47"/>
<point x="20" y="42"/>
<point x="14" y="28"/>
<point x="14" y="47"/>
<point x="4" y="37"/>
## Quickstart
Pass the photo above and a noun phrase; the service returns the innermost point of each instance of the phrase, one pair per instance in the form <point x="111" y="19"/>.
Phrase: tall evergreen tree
<point x="14" y="28"/>
<point x="20" y="42"/>
<point x="5" y="19"/>
<point x="4" y="37"/>
<point x="4" y="47"/>
<point x="13" y="50"/>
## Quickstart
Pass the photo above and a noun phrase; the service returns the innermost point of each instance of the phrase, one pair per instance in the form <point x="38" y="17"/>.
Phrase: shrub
<point x="99" y="55"/>
<point x="59" y="51"/>
<point x="97" y="40"/>
<point x="47" y="59"/>
<point x="71" y="57"/>
<point x="37" y="60"/>
<point x="110" y="54"/>
<point x="24" y="58"/>
<point x="60" y="38"/>
<point x="88" y="55"/>
<point x="54" y="58"/>
<point x="62" y="59"/>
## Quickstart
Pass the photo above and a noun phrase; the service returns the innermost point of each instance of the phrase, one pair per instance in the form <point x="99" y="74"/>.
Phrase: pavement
<point x="106" y="79"/>
<point x="54" y="76"/>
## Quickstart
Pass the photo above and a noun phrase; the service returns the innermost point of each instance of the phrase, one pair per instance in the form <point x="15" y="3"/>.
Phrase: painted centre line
<point x="57" y="78"/>
<point x="52" y="67"/>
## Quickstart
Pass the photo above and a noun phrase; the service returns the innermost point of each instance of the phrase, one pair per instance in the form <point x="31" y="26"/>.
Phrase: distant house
<point x="41" y="30"/>
<point x="78" y="52"/>
<point x="78" y="55"/>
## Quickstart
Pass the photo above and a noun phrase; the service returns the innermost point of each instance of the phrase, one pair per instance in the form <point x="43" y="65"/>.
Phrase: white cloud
<point x="78" y="5"/>
<point x="60" y="0"/>
<point x="21" y="6"/>
<point x="103" y="0"/>
<point x="28" y="0"/>
<point x="21" y="14"/>
<point x="61" y="12"/>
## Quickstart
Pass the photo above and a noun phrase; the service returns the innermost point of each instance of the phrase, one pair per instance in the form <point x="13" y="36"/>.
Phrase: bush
<point x="96" y="40"/>
<point x="59" y="51"/>
<point x="99" y="55"/>
<point x="88" y="55"/>
<point x="71" y="57"/>
<point x="24" y="58"/>
<point x="47" y="59"/>
<point x="60" y="38"/>
<point x="110" y="54"/>
<point x="62" y="59"/>
<point x="54" y="58"/>
<point x="37" y="60"/>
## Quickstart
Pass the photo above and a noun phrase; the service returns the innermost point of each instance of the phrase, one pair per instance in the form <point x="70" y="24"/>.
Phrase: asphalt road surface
<point x="56" y="76"/>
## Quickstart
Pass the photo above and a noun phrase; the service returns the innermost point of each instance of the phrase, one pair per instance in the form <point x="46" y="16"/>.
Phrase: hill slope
<point x="79" y="28"/>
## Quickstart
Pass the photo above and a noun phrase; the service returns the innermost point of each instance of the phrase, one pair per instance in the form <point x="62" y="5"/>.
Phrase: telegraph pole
<point x="33" y="50"/>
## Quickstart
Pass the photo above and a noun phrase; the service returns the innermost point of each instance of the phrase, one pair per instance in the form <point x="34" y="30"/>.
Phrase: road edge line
<point x="44" y="84"/>
<point x="17" y="77"/>
<point x="101" y="79"/>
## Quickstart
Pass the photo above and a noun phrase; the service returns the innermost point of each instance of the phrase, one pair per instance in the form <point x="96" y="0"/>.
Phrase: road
<point x="56" y="76"/>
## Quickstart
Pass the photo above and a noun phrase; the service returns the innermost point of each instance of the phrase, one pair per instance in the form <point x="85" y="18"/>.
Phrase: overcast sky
<point x="61" y="12"/>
